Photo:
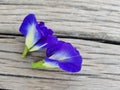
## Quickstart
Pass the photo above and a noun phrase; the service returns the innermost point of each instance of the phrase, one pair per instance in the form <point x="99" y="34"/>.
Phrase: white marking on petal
<point x="60" y="56"/>
<point x="30" y="38"/>
<point x="36" y="47"/>
<point x="50" y="65"/>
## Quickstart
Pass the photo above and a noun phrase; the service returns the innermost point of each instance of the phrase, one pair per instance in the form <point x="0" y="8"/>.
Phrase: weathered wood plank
<point x="93" y="19"/>
<point x="101" y="68"/>
<point x="86" y="19"/>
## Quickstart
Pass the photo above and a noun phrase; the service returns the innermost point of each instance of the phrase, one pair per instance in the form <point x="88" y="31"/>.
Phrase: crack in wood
<point x="104" y="53"/>
<point x="12" y="60"/>
<point x="116" y="74"/>
<point x="44" y="70"/>
<point x="10" y="52"/>
<point x="81" y="74"/>
<point x="22" y="4"/>
<point x="106" y="78"/>
<point x="73" y="37"/>
<point x="109" y="63"/>
<point x="92" y="39"/>
<point x="4" y="89"/>
<point x="26" y="76"/>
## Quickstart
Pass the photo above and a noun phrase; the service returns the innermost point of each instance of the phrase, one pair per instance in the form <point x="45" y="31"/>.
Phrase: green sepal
<point x="39" y="64"/>
<point x="42" y="64"/>
<point x="25" y="52"/>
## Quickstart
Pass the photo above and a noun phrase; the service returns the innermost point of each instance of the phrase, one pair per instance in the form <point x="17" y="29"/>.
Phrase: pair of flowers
<point x="59" y="54"/>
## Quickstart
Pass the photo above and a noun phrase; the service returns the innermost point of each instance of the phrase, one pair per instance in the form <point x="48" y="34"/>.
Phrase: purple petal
<point x="53" y="63"/>
<point x="74" y="64"/>
<point x="29" y="20"/>
<point x="45" y="43"/>
<point x="41" y="24"/>
<point x="30" y="30"/>
<point x="50" y="51"/>
<point x="51" y="41"/>
<point x="67" y="65"/>
<point x="44" y="30"/>
<point x="66" y="50"/>
<point x="66" y="55"/>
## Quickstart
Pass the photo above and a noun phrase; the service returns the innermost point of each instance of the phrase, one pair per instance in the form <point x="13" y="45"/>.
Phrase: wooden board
<point x="90" y="25"/>
<point x="101" y="68"/>
<point x="90" y="19"/>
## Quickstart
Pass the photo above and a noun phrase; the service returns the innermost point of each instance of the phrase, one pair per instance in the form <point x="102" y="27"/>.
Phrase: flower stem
<point x="25" y="52"/>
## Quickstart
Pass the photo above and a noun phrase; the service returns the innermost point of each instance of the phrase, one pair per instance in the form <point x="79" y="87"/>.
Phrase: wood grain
<point x="93" y="26"/>
<point x="90" y="19"/>
<point x="101" y="68"/>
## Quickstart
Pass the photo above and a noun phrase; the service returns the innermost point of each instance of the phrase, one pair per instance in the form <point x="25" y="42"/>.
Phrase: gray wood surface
<point x="90" y="25"/>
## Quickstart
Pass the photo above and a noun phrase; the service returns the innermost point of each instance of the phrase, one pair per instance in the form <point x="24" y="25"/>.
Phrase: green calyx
<point x="39" y="64"/>
<point x="25" y="52"/>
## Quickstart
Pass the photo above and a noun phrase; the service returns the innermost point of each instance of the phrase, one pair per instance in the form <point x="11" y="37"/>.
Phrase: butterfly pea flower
<point x="63" y="55"/>
<point x="37" y="35"/>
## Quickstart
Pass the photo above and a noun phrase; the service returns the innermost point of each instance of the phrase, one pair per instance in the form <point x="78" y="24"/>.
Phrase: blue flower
<point x="37" y="35"/>
<point x="62" y="55"/>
